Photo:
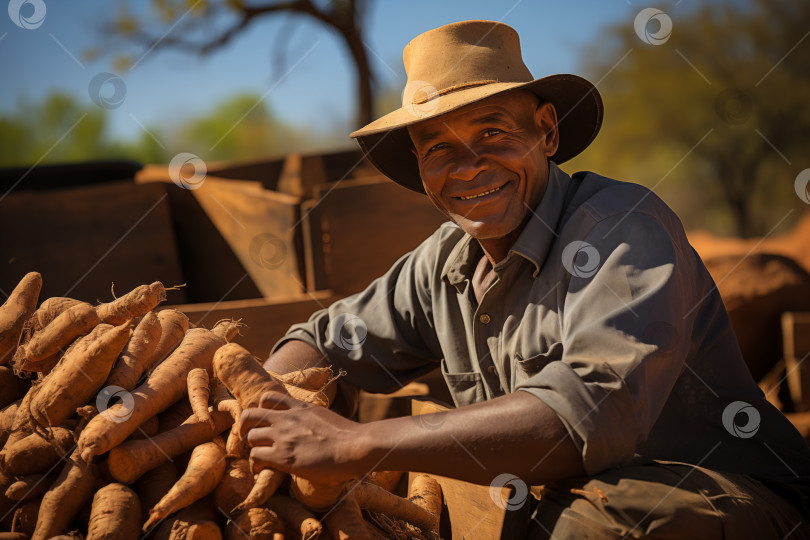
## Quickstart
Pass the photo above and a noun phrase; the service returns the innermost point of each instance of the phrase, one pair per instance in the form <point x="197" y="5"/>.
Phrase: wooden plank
<point x="83" y="240"/>
<point x="796" y="347"/>
<point x="260" y="227"/>
<point x="358" y="228"/>
<point x="265" y="321"/>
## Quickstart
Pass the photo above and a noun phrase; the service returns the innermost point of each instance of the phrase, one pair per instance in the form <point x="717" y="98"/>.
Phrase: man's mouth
<point x="475" y="196"/>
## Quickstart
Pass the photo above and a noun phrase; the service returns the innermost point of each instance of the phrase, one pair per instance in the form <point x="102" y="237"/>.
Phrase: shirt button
<point x="484" y="318"/>
<point x="491" y="369"/>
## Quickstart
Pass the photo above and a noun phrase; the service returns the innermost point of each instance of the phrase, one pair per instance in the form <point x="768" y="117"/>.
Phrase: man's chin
<point x="484" y="230"/>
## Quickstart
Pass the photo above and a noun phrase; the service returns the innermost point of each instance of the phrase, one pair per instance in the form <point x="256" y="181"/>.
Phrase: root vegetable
<point x="62" y="502"/>
<point x="202" y="530"/>
<point x="374" y="498"/>
<point x="205" y="469"/>
<point x="30" y="486"/>
<point x="12" y="387"/>
<point x="15" y="311"/>
<point x="296" y="516"/>
<point x="243" y="376"/>
<point x="148" y="429"/>
<point x="256" y="524"/>
<point x="179" y="526"/>
<point x="135" y="303"/>
<point x="266" y="484"/>
<point x="388" y="480"/>
<point x="154" y="484"/>
<point x="50" y="309"/>
<point x="173" y="326"/>
<point x="35" y="454"/>
<point x="72" y="323"/>
<point x="426" y="493"/>
<point x="128" y="461"/>
<point x="313" y="379"/>
<point x="307" y="396"/>
<point x="25" y="517"/>
<point x="165" y="385"/>
<point x="116" y="514"/>
<point x="316" y="496"/>
<point x="227" y="329"/>
<point x="13" y="536"/>
<point x="234" y="487"/>
<point x="79" y="375"/>
<point x="135" y="359"/>
<point x="198" y="394"/>
<point x="345" y="522"/>
<point x="21" y="425"/>
<point x="175" y="415"/>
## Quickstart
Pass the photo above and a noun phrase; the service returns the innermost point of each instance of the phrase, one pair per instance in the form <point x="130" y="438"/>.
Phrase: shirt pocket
<point x="527" y="367"/>
<point x="465" y="388"/>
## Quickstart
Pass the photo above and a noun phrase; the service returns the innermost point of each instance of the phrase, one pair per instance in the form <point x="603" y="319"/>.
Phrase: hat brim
<point x="387" y="144"/>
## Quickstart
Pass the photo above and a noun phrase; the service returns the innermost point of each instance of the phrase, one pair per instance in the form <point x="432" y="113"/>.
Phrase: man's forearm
<point x="294" y="355"/>
<point x="517" y="434"/>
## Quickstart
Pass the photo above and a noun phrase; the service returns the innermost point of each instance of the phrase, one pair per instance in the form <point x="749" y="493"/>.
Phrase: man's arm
<point x="294" y="355"/>
<point x="516" y="434"/>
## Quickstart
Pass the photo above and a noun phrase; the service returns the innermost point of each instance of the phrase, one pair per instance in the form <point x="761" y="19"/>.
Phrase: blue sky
<point x="166" y="87"/>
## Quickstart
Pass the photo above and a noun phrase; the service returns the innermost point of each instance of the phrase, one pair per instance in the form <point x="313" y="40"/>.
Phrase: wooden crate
<point x="796" y="346"/>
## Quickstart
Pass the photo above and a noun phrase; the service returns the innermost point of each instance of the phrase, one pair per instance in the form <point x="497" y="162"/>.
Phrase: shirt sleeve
<point x="384" y="336"/>
<point x="625" y="329"/>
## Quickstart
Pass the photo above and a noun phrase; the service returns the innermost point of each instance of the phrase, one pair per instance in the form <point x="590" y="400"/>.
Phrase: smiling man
<point x="584" y="343"/>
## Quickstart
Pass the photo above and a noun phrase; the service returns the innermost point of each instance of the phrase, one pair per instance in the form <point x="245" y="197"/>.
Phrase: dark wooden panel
<point x="83" y="240"/>
<point x="357" y="228"/>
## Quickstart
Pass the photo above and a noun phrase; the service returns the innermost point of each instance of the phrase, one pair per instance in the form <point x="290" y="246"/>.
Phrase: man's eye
<point x="436" y="147"/>
<point x="491" y="132"/>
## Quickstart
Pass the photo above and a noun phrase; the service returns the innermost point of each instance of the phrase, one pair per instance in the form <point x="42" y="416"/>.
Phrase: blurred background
<point x="705" y="101"/>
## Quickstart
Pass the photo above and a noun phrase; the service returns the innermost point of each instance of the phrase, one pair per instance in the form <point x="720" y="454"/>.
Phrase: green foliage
<point x="701" y="134"/>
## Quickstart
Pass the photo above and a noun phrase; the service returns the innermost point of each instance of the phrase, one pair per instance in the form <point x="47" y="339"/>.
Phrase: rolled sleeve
<point x="625" y="339"/>
<point x="382" y="337"/>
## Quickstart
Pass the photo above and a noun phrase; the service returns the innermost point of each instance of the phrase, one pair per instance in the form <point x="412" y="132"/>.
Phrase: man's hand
<point x="304" y="439"/>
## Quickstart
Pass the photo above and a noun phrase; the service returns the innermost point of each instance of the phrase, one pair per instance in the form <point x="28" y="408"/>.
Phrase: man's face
<point x="486" y="165"/>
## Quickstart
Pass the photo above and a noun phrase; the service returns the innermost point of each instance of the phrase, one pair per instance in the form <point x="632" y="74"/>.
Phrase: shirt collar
<point x="534" y="241"/>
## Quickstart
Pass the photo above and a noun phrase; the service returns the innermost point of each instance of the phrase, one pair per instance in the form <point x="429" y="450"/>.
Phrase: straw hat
<point x="461" y="63"/>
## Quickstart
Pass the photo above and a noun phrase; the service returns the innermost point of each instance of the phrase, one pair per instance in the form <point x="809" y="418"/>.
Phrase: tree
<point x="214" y="23"/>
<point x="716" y="113"/>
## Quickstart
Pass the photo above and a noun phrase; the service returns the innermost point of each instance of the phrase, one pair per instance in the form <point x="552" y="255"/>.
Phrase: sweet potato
<point x="7" y="415"/>
<point x="205" y="469"/>
<point x="50" y="309"/>
<point x="30" y="486"/>
<point x="25" y="517"/>
<point x="388" y="480"/>
<point x="12" y="387"/>
<point x="265" y="485"/>
<point x="227" y="329"/>
<point x="128" y="461"/>
<point x="243" y="376"/>
<point x="62" y="502"/>
<point x="345" y="522"/>
<point x="175" y="415"/>
<point x="312" y="379"/>
<point x="173" y="326"/>
<point x="315" y="495"/>
<point x="148" y="429"/>
<point x="69" y="325"/>
<point x="256" y="524"/>
<point x="13" y="536"/>
<point x="296" y="516"/>
<point x="15" y="311"/>
<point x="79" y="375"/>
<point x="374" y="498"/>
<point x="198" y="394"/>
<point x="202" y="530"/>
<point x="135" y="359"/>
<point x="116" y="514"/>
<point x="426" y="493"/>
<point x="154" y="484"/>
<point x="181" y="526"/>
<point x="21" y="426"/>
<point x="133" y="304"/>
<point x="234" y="487"/>
<point x="164" y="386"/>
<point x="35" y="454"/>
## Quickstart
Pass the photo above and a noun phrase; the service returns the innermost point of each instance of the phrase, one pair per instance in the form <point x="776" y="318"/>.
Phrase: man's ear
<point x="546" y="119"/>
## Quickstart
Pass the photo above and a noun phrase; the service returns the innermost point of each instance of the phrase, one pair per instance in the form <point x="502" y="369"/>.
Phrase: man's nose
<point x="467" y="165"/>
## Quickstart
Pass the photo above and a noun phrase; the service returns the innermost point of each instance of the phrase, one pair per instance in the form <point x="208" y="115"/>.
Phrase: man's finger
<point x="260" y="436"/>
<point x="261" y="457"/>
<point x="278" y="401"/>
<point x="255" y="418"/>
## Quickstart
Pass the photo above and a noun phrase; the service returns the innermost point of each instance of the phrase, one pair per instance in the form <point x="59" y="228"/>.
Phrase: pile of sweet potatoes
<point x="118" y="420"/>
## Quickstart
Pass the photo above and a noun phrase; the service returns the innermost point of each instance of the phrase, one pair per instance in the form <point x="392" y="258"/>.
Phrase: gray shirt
<point x="602" y="310"/>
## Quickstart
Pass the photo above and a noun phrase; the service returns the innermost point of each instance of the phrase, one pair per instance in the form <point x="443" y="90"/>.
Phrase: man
<point x="583" y="341"/>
